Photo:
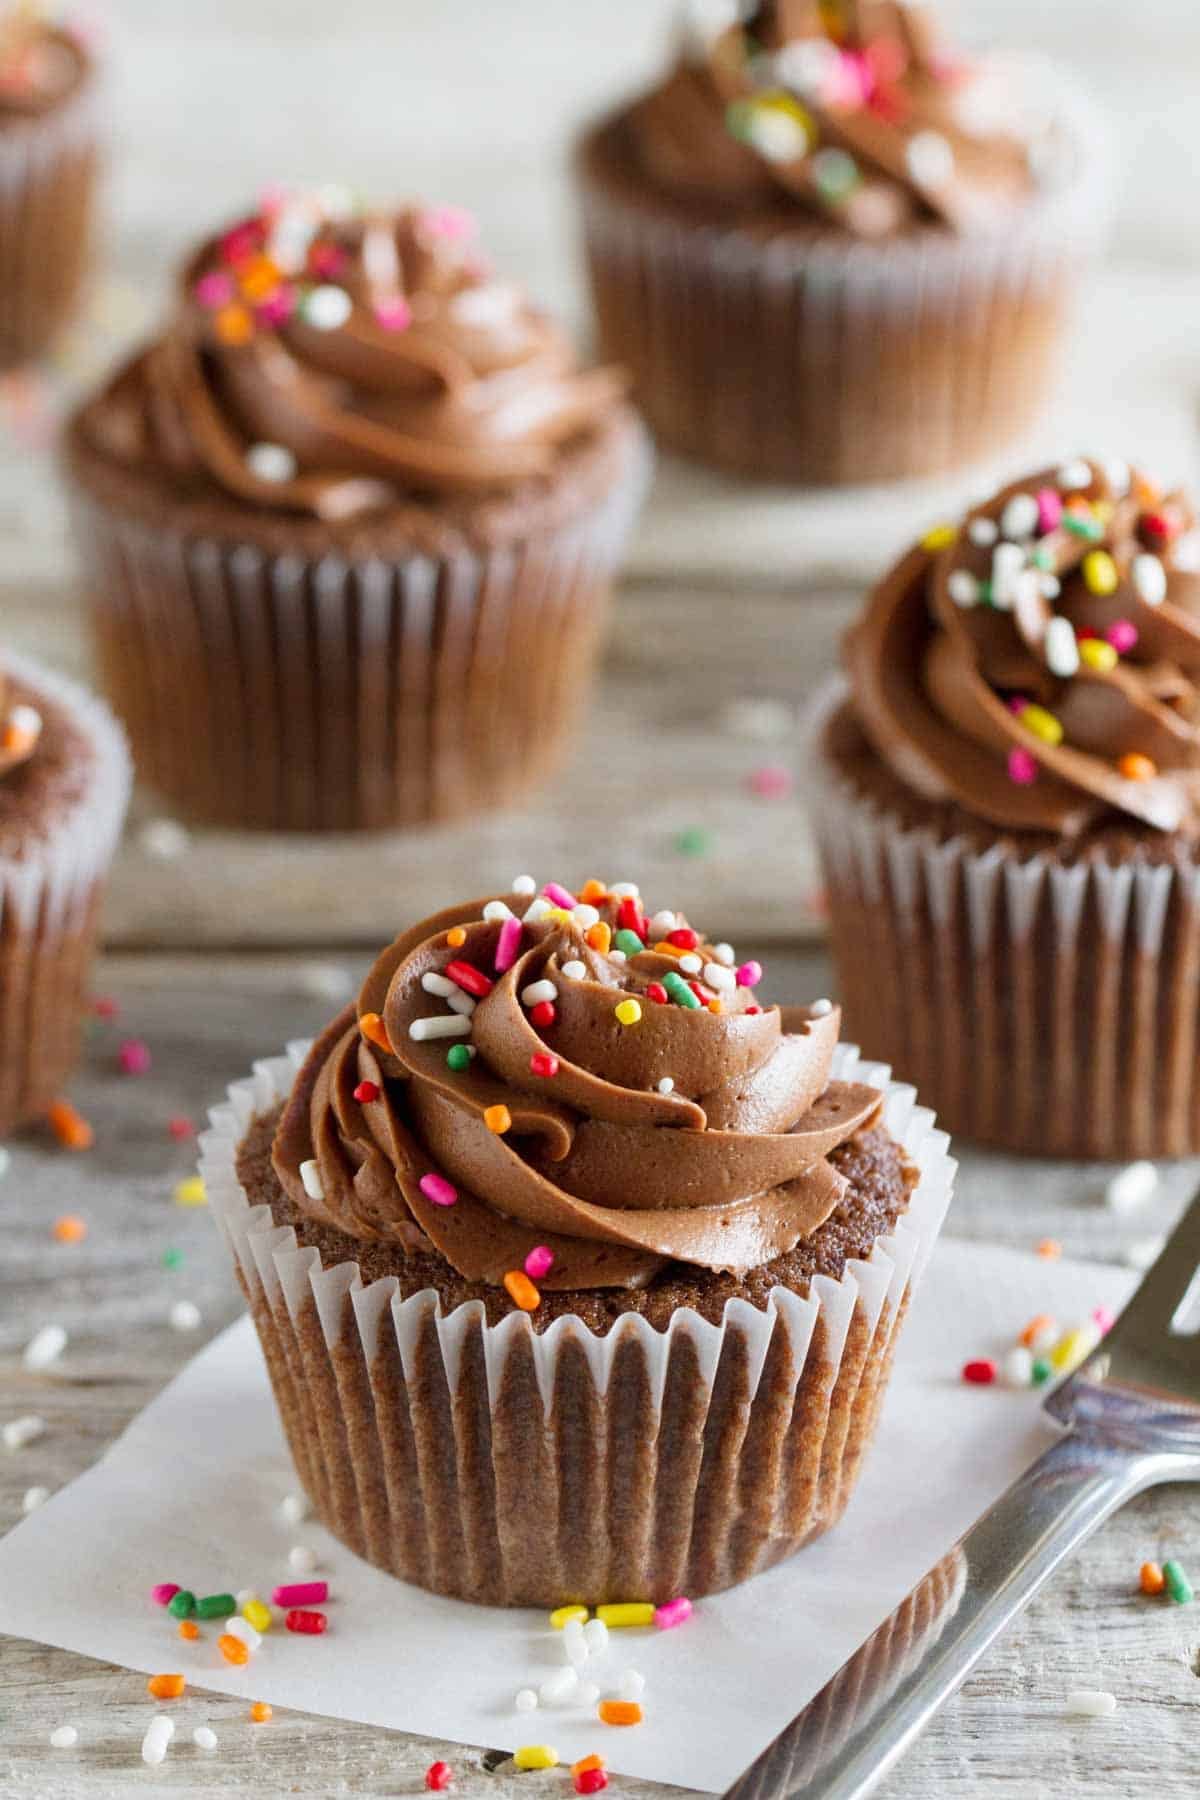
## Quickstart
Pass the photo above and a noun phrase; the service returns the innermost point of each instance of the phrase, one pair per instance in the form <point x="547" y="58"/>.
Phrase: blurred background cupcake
<point x="349" y="525"/>
<point x="1007" y="801"/>
<point x="48" y="165"/>
<point x="831" y="248"/>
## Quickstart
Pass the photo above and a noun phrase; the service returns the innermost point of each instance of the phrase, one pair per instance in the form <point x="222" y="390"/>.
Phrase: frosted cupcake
<point x="577" y="1269"/>
<point x="831" y="248"/>
<point x="1008" y="806"/>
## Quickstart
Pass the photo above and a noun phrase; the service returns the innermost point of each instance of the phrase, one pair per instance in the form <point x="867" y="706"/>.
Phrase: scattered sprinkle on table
<point x="1050" y="1248"/>
<point x="64" y="1737"/>
<point x="16" y="1433"/>
<point x="33" y="1498"/>
<point x="1179" y="1588"/>
<point x="69" y="1229"/>
<point x="184" y="1316"/>
<point x="69" y="1126"/>
<point x="1091" y="1703"/>
<point x="44" y="1347"/>
<point x="181" y="1128"/>
<point x="536" y="1756"/>
<point x="1151" y="1579"/>
<point x="204" y="1737"/>
<point x="191" y="1191"/>
<point x="293" y="1508"/>
<point x="133" y="1057"/>
<point x="620" y="1712"/>
<point x="158" y="1735"/>
<point x="261" y="1713"/>
<point x="1132" y="1187"/>
<point x="693" y="841"/>
<point x="165" y="1687"/>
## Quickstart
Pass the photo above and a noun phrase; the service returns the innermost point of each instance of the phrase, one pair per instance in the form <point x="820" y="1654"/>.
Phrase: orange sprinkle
<point x="586" y="1764"/>
<point x="233" y="325"/>
<point x="189" y="1631"/>
<point x="522" y="1290"/>
<point x="1035" y="1329"/>
<point x="260" y="1712"/>
<point x="166" y="1687"/>
<point x="600" y="937"/>
<point x="665" y="948"/>
<point x="1151" y="1579"/>
<point x="621" y="1712"/>
<point x="70" y="1229"/>
<point x="593" y="890"/>
<point x="1135" y="767"/>
<point x="497" y="1119"/>
<point x="13" y="738"/>
<point x="258" y="278"/>
<point x="233" y="1649"/>
<point x="1148" y="492"/>
<point x="1050" y="1248"/>
<point x="456" y="937"/>
<point x="70" y="1127"/>
<point x="715" y="1006"/>
<point x="375" y="1031"/>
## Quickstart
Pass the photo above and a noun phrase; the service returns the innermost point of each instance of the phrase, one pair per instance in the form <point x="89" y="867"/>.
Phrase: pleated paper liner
<point x="815" y="358"/>
<point x="1046" y="1003"/>
<point x="511" y="1467"/>
<point x="49" y="908"/>
<point x="336" y="693"/>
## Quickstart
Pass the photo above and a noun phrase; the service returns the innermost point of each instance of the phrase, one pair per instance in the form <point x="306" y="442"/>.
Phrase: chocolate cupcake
<point x="350" y="525"/>
<point x="577" y="1271"/>
<point x="1008" y="807"/>
<point x="48" y="164"/>
<point x="832" y="250"/>
<point x="64" y="787"/>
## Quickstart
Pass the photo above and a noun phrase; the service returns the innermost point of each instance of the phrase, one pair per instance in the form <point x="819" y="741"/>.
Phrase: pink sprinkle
<point x="134" y="1056"/>
<point x="394" y="315"/>
<point x="301" y="1593"/>
<point x="1103" y="1319"/>
<point x="277" y="308"/>
<point x="539" y="1262"/>
<point x="438" y="1189"/>
<point x="450" y="222"/>
<point x="1022" y="767"/>
<point x="181" y="1128"/>
<point x="1122" y="634"/>
<point x="672" y="1613"/>
<point x="508" y="944"/>
<point x="560" y="896"/>
<point x="164" y="1592"/>
<point x="242" y="242"/>
<point x="214" y="289"/>
<point x="328" y="261"/>
<point x="1050" y="510"/>
<point x="771" y="782"/>
<point x="1018" y="703"/>
<point x="273" y="198"/>
<point x="750" y="974"/>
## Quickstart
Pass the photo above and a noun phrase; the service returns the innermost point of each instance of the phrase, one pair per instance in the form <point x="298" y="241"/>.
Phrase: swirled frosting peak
<point x="853" y="110"/>
<point x="330" y="361"/>
<point x="40" y="62"/>
<point x="1039" y="664"/>
<point x="570" y="1085"/>
<point x="20" y="729"/>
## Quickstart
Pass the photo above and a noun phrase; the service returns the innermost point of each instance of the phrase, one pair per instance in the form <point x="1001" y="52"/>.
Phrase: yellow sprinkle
<point x="190" y="1192"/>
<point x="1071" y="1349"/>
<point x="1100" y="573"/>
<point x="940" y="538"/>
<point x="562" y="1615"/>
<point x="559" y="916"/>
<point x="627" y="1612"/>
<point x="1043" y="724"/>
<point x="536" y="1756"/>
<point x="1097" y="654"/>
<point x="629" y="1011"/>
<point x="256" y="1613"/>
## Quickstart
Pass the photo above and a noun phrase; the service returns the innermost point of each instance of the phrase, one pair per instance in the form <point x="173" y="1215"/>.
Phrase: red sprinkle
<point x="104" y="1008"/>
<point x="684" y="938"/>
<point x="541" y="1062"/>
<point x="309" y="1624"/>
<point x="366" y="1091"/>
<point x="751" y="1009"/>
<point x="438" y="1775"/>
<point x="543" y="1014"/>
<point x="181" y="1128"/>
<point x="702" y="994"/>
<point x="629" y="917"/>
<point x="591" y="1781"/>
<point x="657" y="992"/>
<point x="469" y="978"/>
<point x="982" y="1371"/>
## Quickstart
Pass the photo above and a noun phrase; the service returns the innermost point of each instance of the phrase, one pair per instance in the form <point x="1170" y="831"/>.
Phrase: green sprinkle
<point x="214" y="1606"/>
<point x="182" y="1605"/>
<point x="1081" y="527"/>
<point x="1179" y="1588"/>
<point x="1042" y="1370"/>
<point x="629" y="942"/>
<point x="739" y="119"/>
<point x="836" y="175"/>
<point x="693" y="842"/>
<point x="985" y="593"/>
<point x="1043" y="559"/>
<point x="172" y="1259"/>
<point x="679" y="990"/>
<point x="458" y="1058"/>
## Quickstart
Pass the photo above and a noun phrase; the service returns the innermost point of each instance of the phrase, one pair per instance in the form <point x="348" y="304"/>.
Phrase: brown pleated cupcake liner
<point x="48" y="170"/>
<point x="816" y="359"/>
<point x="294" y="693"/>
<point x="49" y="911"/>
<point x="511" y="1467"/>
<point x="1046" y="1005"/>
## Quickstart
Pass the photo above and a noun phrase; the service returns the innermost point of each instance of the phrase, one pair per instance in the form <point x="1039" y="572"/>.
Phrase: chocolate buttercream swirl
<point x="40" y="63"/>
<point x="331" y="363"/>
<point x="1039" y="666"/>
<point x="20" y="729"/>
<point x="695" y="1132"/>
<point x="852" y="110"/>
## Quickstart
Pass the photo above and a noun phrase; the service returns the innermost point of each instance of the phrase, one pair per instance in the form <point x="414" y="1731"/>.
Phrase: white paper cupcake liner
<point x="508" y="1466"/>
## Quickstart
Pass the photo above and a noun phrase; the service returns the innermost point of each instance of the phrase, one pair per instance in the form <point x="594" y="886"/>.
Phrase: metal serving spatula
<point x="1132" y="1413"/>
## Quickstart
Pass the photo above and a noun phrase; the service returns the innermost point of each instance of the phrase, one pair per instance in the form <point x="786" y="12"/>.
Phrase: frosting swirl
<point x="852" y="110"/>
<point x="614" y="1096"/>
<point x="330" y="363"/>
<point x="1039" y="665"/>
<point x="40" y="64"/>
<point x="20" y="729"/>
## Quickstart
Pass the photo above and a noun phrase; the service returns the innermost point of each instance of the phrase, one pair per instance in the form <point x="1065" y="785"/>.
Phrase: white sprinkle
<point x="495" y="910"/>
<point x="1074" y="475"/>
<point x="761" y="720"/>
<point x="159" y="1734"/>
<point x="327" y="308"/>
<point x="460" y="1003"/>
<point x="293" y="1508"/>
<point x="666" y="1085"/>
<point x="625" y="890"/>
<point x="573" y="970"/>
<point x="34" y="1497"/>
<point x="589" y="1694"/>
<point x="301" y="1560"/>
<point x="930" y="159"/>
<point x="719" y="977"/>
<point x="983" y="531"/>
<point x="64" y="1737"/>
<point x="1046" y="1337"/>
<point x="1132" y="1187"/>
<point x="585" y="916"/>
<point x="445" y="1025"/>
<point x="245" y="1597"/>
<point x="1143" y="1253"/>
<point x="1150" y="579"/>
<point x="165" y="839"/>
<point x="963" y="588"/>
<point x="1091" y="1703"/>
<point x="1062" y="652"/>
<point x="777" y="135"/>
<point x="1118" y="475"/>
<point x="441" y="985"/>
<point x="524" y="884"/>
<point x="632" y="1684"/>
<point x="595" y="1636"/>
<point x="1018" y="1367"/>
<point x="324" y="981"/>
<point x="45" y="1347"/>
<point x="271" y="462"/>
<point x="574" y="1646"/>
<point x="526" y="1700"/>
<point x="26" y="720"/>
<point x="1008" y="565"/>
<point x="537" y="991"/>
<point x="617" y="956"/>
<point x="662" y="923"/>
<point x="1020" y="517"/>
<point x="242" y="1628"/>
<point x="724" y="953"/>
<point x="558" y="1687"/>
<point x="184" y="1315"/>
<point x="1050" y="585"/>
<point x="204" y="1737"/>
<point x="821" y="1009"/>
<point x="19" y="1432"/>
<point x="807" y="65"/>
<point x="691" y="964"/>
<point x="310" y="1176"/>
<point x="538" y="910"/>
